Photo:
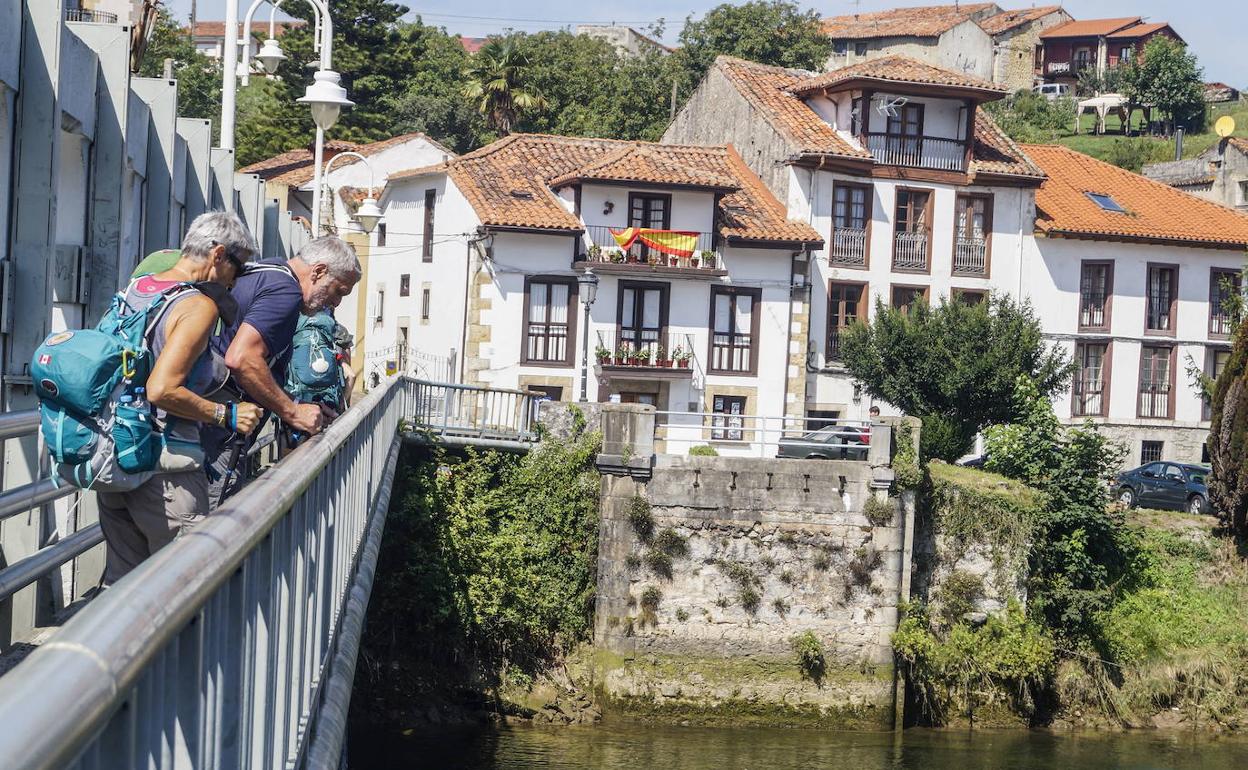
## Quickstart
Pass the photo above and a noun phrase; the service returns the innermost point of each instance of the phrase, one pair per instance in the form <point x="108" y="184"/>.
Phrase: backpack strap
<point x="271" y="267"/>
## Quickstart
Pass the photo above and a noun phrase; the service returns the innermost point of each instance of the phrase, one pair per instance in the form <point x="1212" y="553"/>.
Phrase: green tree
<point x="955" y="365"/>
<point x="199" y="77"/>
<point x="1026" y="116"/>
<point x="1168" y="77"/>
<point x="498" y="82"/>
<point x="766" y="31"/>
<point x="432" y="100"/>
<point x="1228" y="439"/>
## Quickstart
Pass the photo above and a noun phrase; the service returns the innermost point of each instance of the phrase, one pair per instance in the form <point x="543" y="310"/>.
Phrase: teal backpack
<point x="315" y="373"/>
<point x="94" y="420"/>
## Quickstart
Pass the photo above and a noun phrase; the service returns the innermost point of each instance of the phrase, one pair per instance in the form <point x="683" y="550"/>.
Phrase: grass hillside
<point x="1107" y="147"/>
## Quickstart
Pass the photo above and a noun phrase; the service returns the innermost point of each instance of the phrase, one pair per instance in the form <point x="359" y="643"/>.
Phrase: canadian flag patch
<point x="45" y="359"/>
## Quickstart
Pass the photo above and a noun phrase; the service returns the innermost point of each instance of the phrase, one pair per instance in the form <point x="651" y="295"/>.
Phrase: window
<point x="1215" y="363"/>
<point x="820" y="418"/>
<point x="1243" y="193"/>
<point x="405" y="285"/>
<point x="905" y="296"/>
<point x="1124" y="54"/>
<point x="649" y="210"/>
<point x="969" y="296"/>
<point x="860" y="49"/>
<point x="908" y="122"/>
<point x="912" y="230"/>
<point x="846" y="304"/>
<point x="1096" y="285"/>
<point x="840" y="47"/>
<point x="1150" y="452"/>
<point x="548" y="324"/>
<point x="380" y="307"/>
<point x="727" y="420"/>
<point x="858" y="116"/>
<point x="639" y="397"/>
<point x="642" y="314"/>
<point x="549" y="392"/>
<point x="851" y="213"/>
<point x="734" y="330"/>
<point x="1162" y="288"/>
<point x="1155" y="372"/>
<point x="1106" y="202"/>
<point x="1091" y="392"/>
<point x="424" y="304"/>
<point x="972" y="226"/>
<point x="381" y="233"/>
<point x="1223" y="284"/>
<point x="431" y="201"/>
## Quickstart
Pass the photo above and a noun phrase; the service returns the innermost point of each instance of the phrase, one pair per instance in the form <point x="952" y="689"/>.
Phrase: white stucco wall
<point x="691" y="209"/>
<point x="963" y="48"/>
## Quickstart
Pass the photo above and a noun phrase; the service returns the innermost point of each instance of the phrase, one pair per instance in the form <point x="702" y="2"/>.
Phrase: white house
<point x="696" y="262"/>
<point x="944" y="35"/>
<point x="915" y="190"/>
<point x="1130" y="277"/>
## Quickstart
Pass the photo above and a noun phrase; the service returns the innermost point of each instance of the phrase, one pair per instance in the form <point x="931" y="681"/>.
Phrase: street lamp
<point x="326" y="98"/>
<point x="589" y="292"/>
<point x="368" y="214"/>
<point x="270" y="54"/>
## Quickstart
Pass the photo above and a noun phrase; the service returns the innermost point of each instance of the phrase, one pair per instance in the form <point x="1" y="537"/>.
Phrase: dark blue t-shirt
<point x="271" y="302"/>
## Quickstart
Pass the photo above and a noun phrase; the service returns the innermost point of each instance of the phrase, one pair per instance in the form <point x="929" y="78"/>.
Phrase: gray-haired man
<point x="256" y="346"/>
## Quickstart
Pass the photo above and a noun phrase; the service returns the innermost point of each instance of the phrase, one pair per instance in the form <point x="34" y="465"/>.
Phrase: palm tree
<point x="496" y="82"/>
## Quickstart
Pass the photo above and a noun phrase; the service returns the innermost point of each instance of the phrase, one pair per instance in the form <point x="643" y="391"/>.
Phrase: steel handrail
<point x="20" y="574"/>
<point x="18" y="424"/>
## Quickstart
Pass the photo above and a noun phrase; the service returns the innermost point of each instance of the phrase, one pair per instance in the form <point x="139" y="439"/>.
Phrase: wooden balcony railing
<point x="849" y="246"/>
<point x="910" y="251"/>
<point x="931" y="152"/>
<point x="970" y="256"/>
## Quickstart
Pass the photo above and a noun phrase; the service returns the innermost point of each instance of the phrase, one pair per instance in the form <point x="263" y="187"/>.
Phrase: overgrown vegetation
<point x="486" y="573"/>
<point x="703" y="450"/>
<point x="879" y="512"/>
<point x="1228" y="436"/>
<point x="811" y="658"/>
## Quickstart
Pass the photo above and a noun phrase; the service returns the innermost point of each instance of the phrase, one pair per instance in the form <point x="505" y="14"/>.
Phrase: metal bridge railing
<point x="470" y="411"/>
<point x="235" y="645"/>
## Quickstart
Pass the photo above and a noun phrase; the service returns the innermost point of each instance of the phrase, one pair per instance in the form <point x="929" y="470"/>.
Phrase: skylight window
<point x="1106" y="202"/>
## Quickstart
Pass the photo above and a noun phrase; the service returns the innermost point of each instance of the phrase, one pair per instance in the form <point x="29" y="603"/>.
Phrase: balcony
<point x="930" y="152"/>
<point x="910" y="251"/>
<point x="970" y="256"/>
<point x="1087" y="397"/>
<point x="849" y="247"/>
<point x="600" y="250"/>
<point x="1155" y="400"/>
<point x="92" y="17"/>
<point x="1092" y="306"/>
<point x="620" y="356"/>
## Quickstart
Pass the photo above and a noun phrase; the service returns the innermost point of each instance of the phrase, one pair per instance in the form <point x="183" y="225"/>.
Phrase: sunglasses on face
<point x="230" y="255"/>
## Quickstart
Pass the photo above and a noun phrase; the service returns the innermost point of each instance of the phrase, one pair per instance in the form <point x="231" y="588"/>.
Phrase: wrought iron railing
<point x="1092" y="309"/>
<point x="910" y="251"/>
<point x="970" y="256"/>
<point x="1087" y="397"/>
<point x="849" y="246"/>
<point x="621" y="348"/>
<point x="1159" y="307"/>
<point x="599" y="246"/>
<point x="931" y="152"/>
<point x="94" y="17"/>
<point x="1154" y="400"/>
<point x="1221" y="322"/>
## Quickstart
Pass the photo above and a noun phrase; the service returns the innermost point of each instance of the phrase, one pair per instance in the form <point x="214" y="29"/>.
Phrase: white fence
<point x="748" y="435"/>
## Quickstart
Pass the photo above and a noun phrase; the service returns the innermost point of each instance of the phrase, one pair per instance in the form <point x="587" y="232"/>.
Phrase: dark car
<point x="835" y="442"/>
<point x="1179" y="486"/>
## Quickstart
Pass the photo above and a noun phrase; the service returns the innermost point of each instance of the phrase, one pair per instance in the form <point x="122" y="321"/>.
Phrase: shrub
<point x="811" y="660"/>
<point x="787" y="578"/>
<point x="641" y="518"/>
<point x="632" y="562"/>
<point x="671" y="543"/>
<point x="749" y="599"/>
<point x="651" y="597"/>
<point x="659" y="563"/>
<point x="702" y="450"/>
<point x="682" y="615"/>
<point x="787" y="539"/>
<point x="767" y="563"/>
<point x="780" y="606"/>
<point x="878" y="511"/>
<point x="959" y="593"/>
<point x="822" y="561"/>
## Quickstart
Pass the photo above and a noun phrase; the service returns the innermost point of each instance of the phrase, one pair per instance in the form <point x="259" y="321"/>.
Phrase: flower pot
<point x="672" y="261"/>
<point x="693" y="262"/>
<point x="619" y="361"/>
<point x="684" y="363"/>
<point x="632" y="259"/>
<point x="666" y="364"/>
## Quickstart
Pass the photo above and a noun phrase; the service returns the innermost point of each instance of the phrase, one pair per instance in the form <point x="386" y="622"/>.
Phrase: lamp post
<point x="368" y="214"/>
<point x="589" y="292"/>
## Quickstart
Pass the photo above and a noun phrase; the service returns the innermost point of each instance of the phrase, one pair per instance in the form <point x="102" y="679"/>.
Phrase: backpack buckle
<point x="127" y="363"/>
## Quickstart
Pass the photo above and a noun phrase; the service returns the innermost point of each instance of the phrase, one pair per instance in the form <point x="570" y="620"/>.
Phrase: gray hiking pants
<point x="140" y="522"/>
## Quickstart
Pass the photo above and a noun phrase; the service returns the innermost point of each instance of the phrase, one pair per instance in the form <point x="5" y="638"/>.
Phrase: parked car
<point x="1052" y="91"/>
<point x="834" y="442"/>
<point x="1178" y="486"/>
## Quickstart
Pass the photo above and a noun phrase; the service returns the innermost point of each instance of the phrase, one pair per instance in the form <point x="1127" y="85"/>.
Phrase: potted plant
<point x="641" y="356"/>
<point x="693" y="260"/>
<point x="603" y="353"/>
<point x="708" y="259"/>
<point x="617" y="256"/>
<point x="661" y="359"/>
<point x="595" y="253"/>
<point x="673" y="261"/>
<point x="681" y="357"/>
<point x="623" y="355"/>
<point x="633" y="259"/>
<point x="654" y="260"/>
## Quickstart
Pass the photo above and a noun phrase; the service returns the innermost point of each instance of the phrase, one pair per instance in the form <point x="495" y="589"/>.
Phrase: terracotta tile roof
<point x="664" y="164"/>
<point x="1089" y="27"/>
<point x="1239" y="142"/>
<point x="509" y="183"/>
<point x="472" y="44"/>
<point x="926" y="21"/>
<point x="1154" y="212"/>
<point x="1008" y="20"/>
<point x="898" y="69"/>
<point x="768" y="90"/>
<point x="294" y="168"/>
<point x="1139" y="30"/>
<point x="260" y="28"/>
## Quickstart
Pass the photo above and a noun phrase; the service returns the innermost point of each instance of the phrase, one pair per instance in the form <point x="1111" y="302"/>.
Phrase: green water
<point x="627" y="746"/>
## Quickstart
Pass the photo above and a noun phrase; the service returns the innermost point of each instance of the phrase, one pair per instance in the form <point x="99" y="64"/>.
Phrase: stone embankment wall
<point x="710" y="568"/>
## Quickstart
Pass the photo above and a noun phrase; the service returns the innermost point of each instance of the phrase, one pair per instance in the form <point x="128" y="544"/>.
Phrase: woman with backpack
<point x="138" y="522"/>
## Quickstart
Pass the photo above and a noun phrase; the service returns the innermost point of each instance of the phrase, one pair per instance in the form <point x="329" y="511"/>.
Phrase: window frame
<point x="1107" y="359"/>
<point x="664" y="308"/>
<point x="756" y="300"/>
<point x="1174" y="298"/>
<point x="569" y="353"/>
<point x="1109" y="294"/>
<point x="405" y="285"/>
<point x="721" y="431"/>
<point x="832" y="318"/>
<point x="1215" y="295"/>
<point x="929" y="230"/>
<point x="1211" y="357"/>
<point x="956" y="293"/>
<point x="426" y="242"/>
<point x="868" y="192"/>
<point x="926" y="291"/>
<point x="989" y="201"/>
<point x="1161" y="452"/>
<point x="1171" y="360"/>
<point x="426" y="301"/>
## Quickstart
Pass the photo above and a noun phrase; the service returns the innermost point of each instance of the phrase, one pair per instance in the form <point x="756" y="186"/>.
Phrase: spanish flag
<point x="678" y="243"/>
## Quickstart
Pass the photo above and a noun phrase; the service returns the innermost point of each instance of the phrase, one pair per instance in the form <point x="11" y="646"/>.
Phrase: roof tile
<point x="1089" y="27"/>
<point x="925" y="21"/>
<point x="1155" y="212"/>
<point x="898" y="69"/>
<point x="1008" y="20"/>
<point x="294" y="168"/>
<point x="669" y="165"/>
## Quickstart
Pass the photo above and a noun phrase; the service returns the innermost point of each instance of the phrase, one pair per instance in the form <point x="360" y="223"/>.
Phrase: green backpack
<point x="95" y="423"/>
<point x="315" y="373"/>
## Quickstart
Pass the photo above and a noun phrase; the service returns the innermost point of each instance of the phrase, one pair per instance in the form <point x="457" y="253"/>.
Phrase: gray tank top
<point x="201" y="379"/>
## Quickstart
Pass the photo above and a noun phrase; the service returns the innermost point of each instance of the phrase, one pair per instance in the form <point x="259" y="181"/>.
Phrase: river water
<point x="630" y="746"/>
